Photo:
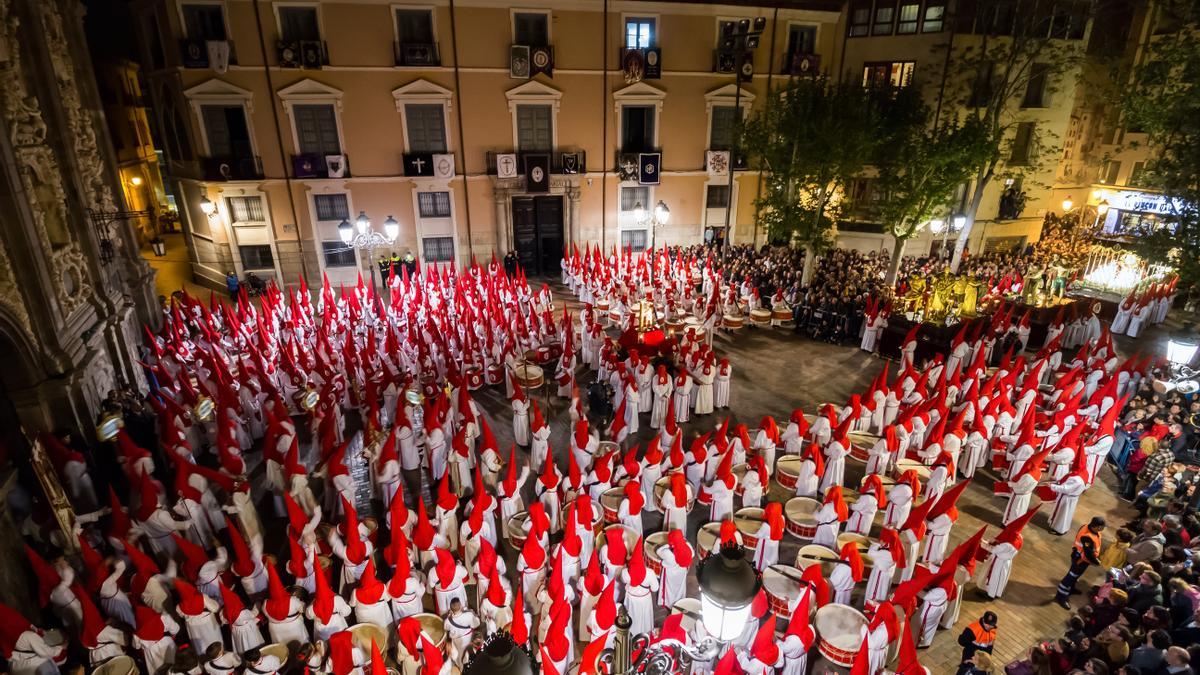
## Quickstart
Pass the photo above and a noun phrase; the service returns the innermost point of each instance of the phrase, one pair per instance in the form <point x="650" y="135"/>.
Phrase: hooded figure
<point x="199" y="614"/>
<point x="765" y="654"/>
<point x="769" y="535"/>
<point x="846" y="576"/>
<point x="447" y="579"/>
<point x="154" y="635"/>
<point x="328" y="610"/>
<point x="661" y="388"/>
<point x="284" y="612"/>
<point x="992" y="576"/>
<point x="798" y="639"/>
<point x="243" y="622"/>
<point x="830" y="516"/>
<point x="641" y="583"/>
<point x="25" y="647"/>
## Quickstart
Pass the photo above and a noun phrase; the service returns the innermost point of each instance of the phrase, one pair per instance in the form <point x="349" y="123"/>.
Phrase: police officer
<point x="978" y="637"/>
<point x="1085" y="552"/>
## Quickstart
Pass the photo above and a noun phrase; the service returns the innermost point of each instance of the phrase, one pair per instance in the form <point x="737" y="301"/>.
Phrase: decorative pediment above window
<point x="217" y="91"/>
<point x="533" y="92"/>
<point x="726" y="95"/>
<point x="311" y="91"/>
<point x="639" y="93"/>
<point x="422" y="91"/>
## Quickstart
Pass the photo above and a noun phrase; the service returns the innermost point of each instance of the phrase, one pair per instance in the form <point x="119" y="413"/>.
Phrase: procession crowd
<point x="361" y="400"/>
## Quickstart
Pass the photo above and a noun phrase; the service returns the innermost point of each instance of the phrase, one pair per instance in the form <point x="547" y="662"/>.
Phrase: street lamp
<point x="728" y="584"/>
<point x="1067" y="205"/>
<point x="652" y="221"/>
<point x="500" y="656"/>
<point x="361" y="236"/>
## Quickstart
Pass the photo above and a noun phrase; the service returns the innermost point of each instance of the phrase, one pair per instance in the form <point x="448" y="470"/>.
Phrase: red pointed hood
<point x="1011" y="534"/>
<point x="243" y="560"/>
<point x="851" y="556"/>
<point x="765" y="647"/>
<point x="446" y="570"/>
<point x="606" y="606"/>
<point x="890" y="540"/>
<point x="615" y="550"/>
<point x="637" y="563"/>
<point x="191" y="602"/>
<point x="278" y="603"/>
<point x="323" y="600"/>
<point x="593" y="578"/>
<point x="916" y="519"/>
<point x="47" y="577"/>
<point x="946" y="503"/>
<point x="799" y="625"/>
<point x="820" y="587"/>
<point x="834" y="496"/>
<point x="370" y="588"/>
<point x="93" y="623"/>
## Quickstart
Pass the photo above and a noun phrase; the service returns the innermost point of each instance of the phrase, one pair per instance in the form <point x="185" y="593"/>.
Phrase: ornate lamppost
<point x="362" y="237"/>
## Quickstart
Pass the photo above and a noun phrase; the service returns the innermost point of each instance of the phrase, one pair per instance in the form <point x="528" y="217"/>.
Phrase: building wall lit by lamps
<point x="360" y="236"/>
<point x="652" y="220"/>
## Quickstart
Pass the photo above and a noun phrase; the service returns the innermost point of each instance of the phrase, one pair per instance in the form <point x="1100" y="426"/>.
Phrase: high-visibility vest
<point x="1085" y="533"/>
<point x="981" y="637"/>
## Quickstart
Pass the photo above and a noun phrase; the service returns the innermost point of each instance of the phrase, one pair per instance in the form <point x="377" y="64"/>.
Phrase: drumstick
<point x="748" y="519"/>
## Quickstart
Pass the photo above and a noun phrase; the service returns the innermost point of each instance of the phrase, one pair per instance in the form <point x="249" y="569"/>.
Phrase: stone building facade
<point x="73" y="290"/>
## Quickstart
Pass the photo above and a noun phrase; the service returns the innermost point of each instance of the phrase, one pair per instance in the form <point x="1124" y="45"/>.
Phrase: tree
<point x="1010" y="46"/>
<point x="1162" y="99"/>
<point x="919" y="167"/>
<point x="810" y="138"/>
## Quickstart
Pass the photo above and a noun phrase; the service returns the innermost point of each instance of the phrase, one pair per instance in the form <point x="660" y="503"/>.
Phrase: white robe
<point x="673" y="585"/>
<point x="639" y="601"/>
<point x="828" y="527"/>
<point x="883" y="567"/>
<point x="704" y="390"/>
<point x="1018" y="501"/>
<point x="862" y="514"/>
<point x="661" y="393"/>
<point x="290" y="628"/>
<point x="992" y="576"/>
<point x="520" y="421"/>
<point x="721" y="386"/>
<point x="1067" y="499"/>
<point x="930" y="615"/>
<point x="937" y="536"/>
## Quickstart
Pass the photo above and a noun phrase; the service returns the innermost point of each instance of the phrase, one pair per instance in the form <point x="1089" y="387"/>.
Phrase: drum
<point x="860" y="444"/>
<point x="279" y="651"/>
<point x="433" y="626"/>
<point x="556" y="349"/>
<point x="812" y="554"/>
<point x="117" y="665"/>
<point x="661" y="487"/>
<point x="707" y="537"/>
<point x="598" y="518"/>
<point x="651" y="546"/>
<point x="690" y="609"/>
<point x="602" y="306"/>
<point x="733" y="321"/>
<point x="606" y="447"/>
<point x="781" y="315"/>
<point x="907" y="464"/>
<point x="474" y="378"/>
<point x="371" y="525"/>
<point x="365" y="633"/>
<point x="801" y="515"/>
<point x="529" y="376"/>
<point x="840" y="630"/>
<point x="611" y="501"/>
<point x="429" y="386"/>
<point x="739" y="472"/>
<point x="748" y="520"/>
<point x="631" y="539"/>
<point x="614" y="316"/>
<point x="787" y="472"/>
<point x="514" y="529"/>
<point x="760" y="317"/>
<point x="56" y="639"/>
<point x="861" y="542"/>
<point x="495" y="374"/>
<point x="782" y="586"/>
<point x="544" y="358"/>
<point x="674" y="326"/>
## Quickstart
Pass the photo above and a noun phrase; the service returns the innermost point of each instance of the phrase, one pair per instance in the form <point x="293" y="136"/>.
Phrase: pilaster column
<point x="573" y="224"/>
<point x="503" y="226"/>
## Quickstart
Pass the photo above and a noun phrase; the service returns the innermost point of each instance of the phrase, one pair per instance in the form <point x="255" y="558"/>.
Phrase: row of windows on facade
<point x="416" y="39"/>
<point x="1055" y="19"/>
<point x="316" y="126"/>
<point x="248" y="211"/>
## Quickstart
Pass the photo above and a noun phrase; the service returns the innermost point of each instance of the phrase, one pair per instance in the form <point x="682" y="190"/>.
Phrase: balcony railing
<point x="232" y="167"/>
<point x="194" y="53"/>
<point x="312" y="165"/>
<point x="417" y="54"/>
<point x="562" y="160"/>
<point x="311" y="54"/>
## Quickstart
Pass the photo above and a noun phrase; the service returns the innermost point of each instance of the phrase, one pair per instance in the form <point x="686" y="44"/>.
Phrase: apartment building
<point x="479" y="126"/>
<point x="127" y="116"/>
<point x="1115" y="156"/>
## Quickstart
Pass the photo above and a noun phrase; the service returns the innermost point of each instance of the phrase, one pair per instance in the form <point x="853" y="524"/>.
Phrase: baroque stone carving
<point x="10" y="295"/>
<point x="40" y="172"/>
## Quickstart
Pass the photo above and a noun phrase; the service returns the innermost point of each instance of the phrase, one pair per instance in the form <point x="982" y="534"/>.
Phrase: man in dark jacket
<point x="1150" y="657"/>
<point x="1147" y="593"/>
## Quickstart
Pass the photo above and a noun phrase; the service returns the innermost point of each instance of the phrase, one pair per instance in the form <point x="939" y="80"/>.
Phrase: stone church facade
<point x="73" y="289"/>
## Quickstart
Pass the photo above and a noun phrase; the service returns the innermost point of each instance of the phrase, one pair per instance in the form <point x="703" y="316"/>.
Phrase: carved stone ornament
<point x="41" y="174"/>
